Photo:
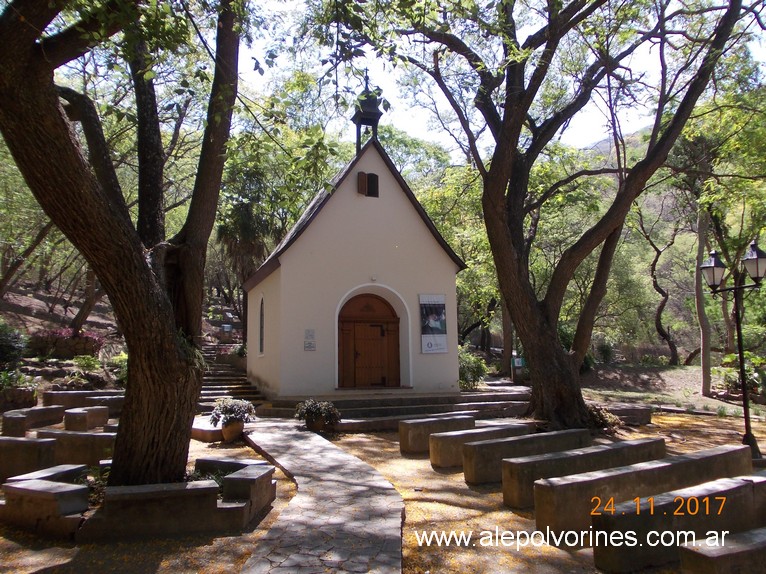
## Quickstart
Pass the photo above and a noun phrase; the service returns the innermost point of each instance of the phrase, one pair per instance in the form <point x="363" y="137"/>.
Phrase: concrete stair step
<point x="379" y="400"/>
<point x="507" y="408"/>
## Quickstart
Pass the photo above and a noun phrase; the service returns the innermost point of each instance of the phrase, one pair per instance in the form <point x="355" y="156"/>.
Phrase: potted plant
<point x="232" y="414"/>
<point x="318" y="415"/>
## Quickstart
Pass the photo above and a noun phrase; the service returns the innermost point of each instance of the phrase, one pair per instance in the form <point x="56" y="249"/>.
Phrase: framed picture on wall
<point x="433" y="323"/>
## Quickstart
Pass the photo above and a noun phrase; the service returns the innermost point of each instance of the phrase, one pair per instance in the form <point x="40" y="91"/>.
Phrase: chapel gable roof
<point x="320" y="200"/>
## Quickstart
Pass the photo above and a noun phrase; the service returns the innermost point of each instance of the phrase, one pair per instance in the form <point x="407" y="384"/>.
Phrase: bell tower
<point x="367" y="113"/>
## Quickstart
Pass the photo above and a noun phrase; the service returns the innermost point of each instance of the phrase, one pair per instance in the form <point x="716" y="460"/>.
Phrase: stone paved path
<point x="345" y="517"/>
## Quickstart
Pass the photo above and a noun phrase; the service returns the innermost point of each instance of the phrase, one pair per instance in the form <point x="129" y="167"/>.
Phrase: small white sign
<point x="309" y="335"/>
<point x="309" y="346"/>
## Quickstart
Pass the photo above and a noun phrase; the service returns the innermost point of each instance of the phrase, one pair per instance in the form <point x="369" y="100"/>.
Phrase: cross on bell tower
<point x="367" y="112"/>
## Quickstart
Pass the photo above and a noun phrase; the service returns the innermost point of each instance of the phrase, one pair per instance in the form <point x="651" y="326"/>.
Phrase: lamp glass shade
<point x="755" y="262"/>
<point x="713" y="270"/>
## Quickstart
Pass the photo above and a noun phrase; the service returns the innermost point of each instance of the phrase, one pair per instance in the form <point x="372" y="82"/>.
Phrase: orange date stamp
<point x="682" y="506"/>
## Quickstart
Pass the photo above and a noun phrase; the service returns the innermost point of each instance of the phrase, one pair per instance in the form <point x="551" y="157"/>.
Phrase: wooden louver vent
<point x="367" y="184"/>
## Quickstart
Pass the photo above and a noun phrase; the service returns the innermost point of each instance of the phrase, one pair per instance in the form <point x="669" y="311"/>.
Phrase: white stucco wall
<point x="356" y="244"/>
<point x="264" y="368"/>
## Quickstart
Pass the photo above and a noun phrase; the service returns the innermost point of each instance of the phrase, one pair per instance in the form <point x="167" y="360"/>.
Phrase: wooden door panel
<point x="370" y="357"/>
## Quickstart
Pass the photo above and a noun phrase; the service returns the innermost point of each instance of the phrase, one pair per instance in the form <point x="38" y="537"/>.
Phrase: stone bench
<point x="725" y="505"/>
<point x="80" y="447"/>
<point x="85" y="418"/>
<point x="23" y="455"/>
<point x="446" y="448"/>
<point x="114" y="403"/>
<point x="44" y="507"/>
<point x="74" y="399"/>
<point x="482" y="460"/>
<point x="520" y="474"/>
<point x="152" y="510"/>
<point x="253" y="484"/>
<point x="414" y="433"/>
<point x="565" y="503"/>
<point x="17" y="423"/>
<point x="224" y="465"/>
<point x="740" y="553"/>
<point x="60" y="473"/>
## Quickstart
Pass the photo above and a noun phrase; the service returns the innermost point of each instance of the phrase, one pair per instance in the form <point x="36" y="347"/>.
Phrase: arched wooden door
<point x="368" y="354"/>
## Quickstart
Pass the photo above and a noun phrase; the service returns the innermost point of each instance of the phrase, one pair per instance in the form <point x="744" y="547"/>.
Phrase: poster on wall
<point x="433" y="324"/>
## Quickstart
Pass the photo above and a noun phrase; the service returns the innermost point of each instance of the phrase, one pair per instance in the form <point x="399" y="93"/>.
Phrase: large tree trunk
<point x="164" y="378"/>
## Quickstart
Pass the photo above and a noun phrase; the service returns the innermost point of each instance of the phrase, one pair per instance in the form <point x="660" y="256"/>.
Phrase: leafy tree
<point x="154" y="283"/>
<point x="514" y="75"/>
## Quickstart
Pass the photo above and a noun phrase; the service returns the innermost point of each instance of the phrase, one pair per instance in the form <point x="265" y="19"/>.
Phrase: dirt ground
<point x="442" y="501"/>
<point x="439" y="501"/>
<point x="22" y="553"/>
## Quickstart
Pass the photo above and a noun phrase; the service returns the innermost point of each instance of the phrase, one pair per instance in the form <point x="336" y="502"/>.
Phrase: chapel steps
<point x="380" y="412"/>
<point x="222" y="380"/>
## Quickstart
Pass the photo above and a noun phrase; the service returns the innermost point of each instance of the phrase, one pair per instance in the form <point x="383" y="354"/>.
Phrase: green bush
<point x="311" y="410"/>
<point x="120" y="365"/>
<point x="86" y="363"/>
<point x="14" y="380"/>
<point x="605" y="353"/>
<point x="472" y="369"/>
<point x="12" y="345"/>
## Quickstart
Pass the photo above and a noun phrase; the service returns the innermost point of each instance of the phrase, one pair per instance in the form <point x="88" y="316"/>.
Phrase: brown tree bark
<point x="165" y="371"/>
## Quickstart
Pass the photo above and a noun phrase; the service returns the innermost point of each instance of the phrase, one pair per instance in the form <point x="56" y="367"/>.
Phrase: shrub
<point x="15" y="380"/>
<point x="605" y="353"/>
<point x="472" y="369"/>
<point x="62" y="344"/>
<point x="231" y="410"/>
<point x="120" y="365"/>
<point x="87" y="363"/>
<point x="312" y="410"/>
<point x="12" y="345"/>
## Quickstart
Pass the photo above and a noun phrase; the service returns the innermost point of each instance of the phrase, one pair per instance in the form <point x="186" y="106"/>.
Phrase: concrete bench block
<point x="85" y="418"/>
<point x="73" y="399"/>
<point x="482" y="460"/>
<point x="21" y="455"/>
<point x="152" y="510"/>
<point x="60" y="473"/>
<point x="723" y="505"/>
<point x="18" y="422"/>
<point x="44" y="498"/>
<point x="520" y="474"/>
<point x="564" y="503"/>
<point x="80" y="447"/>
<point x="446" y="448"/>
<point x="225" y="465"/>
<point x="255" y="484"/>
<point x="741" y="552"/>
<point x="413" y="434"/>
<point x="114" y="402"/>
<point x="631" y="414"/>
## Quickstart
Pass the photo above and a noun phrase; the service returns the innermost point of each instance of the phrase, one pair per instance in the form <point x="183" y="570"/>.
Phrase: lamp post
<point x="713" y="270"/>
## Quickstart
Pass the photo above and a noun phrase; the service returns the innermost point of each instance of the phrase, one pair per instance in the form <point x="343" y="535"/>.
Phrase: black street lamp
<point x="713" y="270"/>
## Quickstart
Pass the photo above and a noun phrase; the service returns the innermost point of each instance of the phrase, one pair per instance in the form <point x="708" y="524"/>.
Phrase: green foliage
<point x="605" y="352"/>
<point x="472" y="369"/>
<point x="229" y="410"/>
<point x="86" y="363"/>
<point x="648" y="360"/>
<point x="312" y="410"/>
<point x="755" y="373"/>
<point x="15" y="380"/>
<point x="12" y="344"/>
<point x="120" y="364"/>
